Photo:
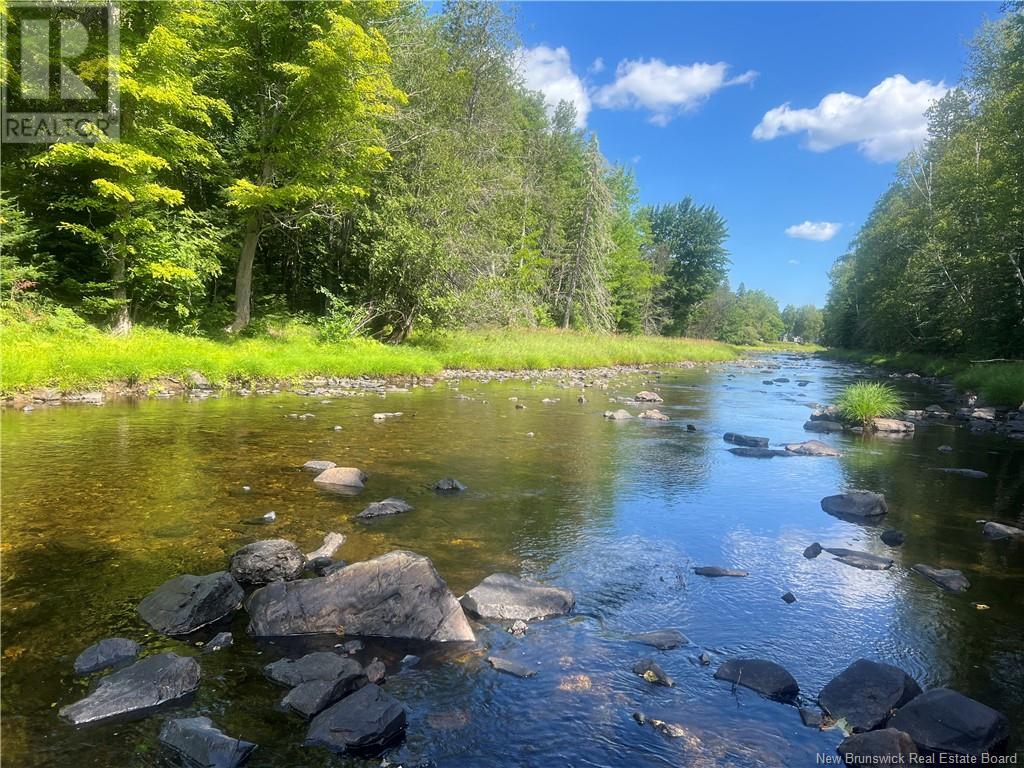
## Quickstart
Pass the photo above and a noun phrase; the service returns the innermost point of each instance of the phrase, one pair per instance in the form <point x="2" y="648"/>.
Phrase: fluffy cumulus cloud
<point x="885" y="124"/>
<point x="549" y="71"/>
<point x="814" y="230"/>
<point x="665" y="90"/>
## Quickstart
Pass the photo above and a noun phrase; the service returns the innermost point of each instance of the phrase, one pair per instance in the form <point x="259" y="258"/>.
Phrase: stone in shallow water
<point x="219" y="642"/>
<point x="866" y="692"/>
<point x="136" y="690"/>
<point x="892" y="425"/>
<point x="364" y="723"/>
<point x="975" y="474"/>
<point x="993" y="530"/>
<point x="109" y="652"/>
<point x="341" y="479"/>
<point x="389" y="506"/>
<point x="812" y="448"/>
<point x="717" y="571"/>
<point x="506" y="597"/>
<point x="823" y="427"/>
<point x="619" y="415"/>
<point x="758" y="453"/>
<point x="265" y="561"/>
<point x="863" y="560"/>
<point x="648" y="397"/>
<point x="317" y="465"/>
<point x="186" y="603"/>
<point x="668" y="729"/>
<point x="745" y="440"/>
<point x="202" y="744"/>
<point x="332" y="543"/>
<point x="941" y="720"/>
<point x="312" y="697"/>
<point x="813" y="551"/>
<point x="653" y="415"/>
<point x="399" y="594"/>
<point x="376" y="671"/>
<point x="765" y="677"/>
<point x="892" y="537"/>
<point x="650" y="671"/>
<point x="322" y="665"/>
<point x="855" y="504"/>
<point x="811" y="718"/>
<point x="510" y="667"/>
<point x="948" y="578"/>
<point x="884" y="747"/>
<point x="789" y="598"/>
<point x="662" y="639"/>
<point x="448" y="485"/>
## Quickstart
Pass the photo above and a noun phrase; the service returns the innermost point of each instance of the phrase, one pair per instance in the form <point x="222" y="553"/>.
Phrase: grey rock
<point x="332" y="543"/>
<point x="620" y="415"/>
<point x="863" y="560"/>
<point x="137" y="690"/>
<point x="812" y="448"/>
<point x="219" y="642"/>
<point x="941" y="720"/>
<point x="885" y="747"/>
<point x="855" y="504"/>
<point x="395" y="595"/>
<point x="648" y="397"/>
<point x="892" y="537"/>
<point x="948" y="578"/>
<point x="200" y="743"/>
<point x="385" y="508"/>
<point x="717" y="571"/>
<point x="662" y="639"/>
<point x="448" y="485"/>
<point x="866" y="692"/>
<point x="506" y="597"/>
<point x="811" y="718"/>
<point x="748" y="441"/>
<point x="975" y="474"/>
<point x="892" y="425"/>
<point x="758" y="453"/>
<point x="186" y="603"/>
<point x="650" y="671"/>
<point x="376" y="671"/>
<point x="813" y="551"/>
<point x="341" y="480"/>
<point x="312" y="697"/>
<point x="316" y="465"/>
<point x="510" y="667"/>
<point x="823" y="427"/>
<point x="269" y="560"/>
<point x="993" y="530"/>
<point x="364" y="723"/>
<point x="945" y="449"/>
<point x="789" y="598"/>
<point x="321" y="665"/>
<point x="766" y="677"/>
<point x="109" y="652"/>
<point x="653" y="415"/>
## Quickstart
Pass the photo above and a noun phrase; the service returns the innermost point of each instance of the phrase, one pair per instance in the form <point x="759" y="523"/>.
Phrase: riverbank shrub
<point x="867" y="400"/>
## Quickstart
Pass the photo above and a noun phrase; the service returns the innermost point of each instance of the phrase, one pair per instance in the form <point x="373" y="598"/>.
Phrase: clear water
<point x="101" y="505"/>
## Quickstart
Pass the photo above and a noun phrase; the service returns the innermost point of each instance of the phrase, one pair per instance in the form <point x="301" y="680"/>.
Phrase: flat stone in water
<point x="885" y="747"/>
<point x="137" y="690"/>
<point x="765" y="677"/>
<point x="892" y="537"/>
<point x="200" y="743"/>
<point x="341" y="480"/>
<point x="863" y="560"/>
<point x="650" y="671"/>
<point x="332" y="543"/>
<point x="109" y="652"/>
<point x="510" y="667"/>
<point x="317" y="465"/>
<point x="942" y="720"/>
<point x="748" y="441"/>
<point x="186" y="603"/>
<point x="993" y="530"/>
<point x="219" y="642"/>
<point x="385" y="508"/>
<point x="312" y="697"/>
<point x="716" y="571"/>
<point x="975" y="474"/>
<point x="364" y="723"/>
<point x="758" y="453"/>
<point x="321" y="665"/>
<point x="662" y="639"/>
<point x="448" y="485"/>
<point x="620" y="415"/>
<point x="811" y="448"/>
<point x="948" y="578"/>
<point x="810" y="717"/>
<point x="824" y="427"/>
<point x="855" y="504"/>
<point x="866" y="692"/>
<point x="506" y="597"/>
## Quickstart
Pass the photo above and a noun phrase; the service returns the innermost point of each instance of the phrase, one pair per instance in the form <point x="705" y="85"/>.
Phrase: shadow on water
<point x="103" y="504"/>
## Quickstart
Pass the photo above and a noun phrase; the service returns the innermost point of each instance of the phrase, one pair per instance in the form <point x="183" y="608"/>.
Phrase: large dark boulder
<point x="109" y="652"/>
<point x="885" y="747"/>
<point x="949" y="579"/>
<point x="322" y="665"/>
<point x="941" y="720"/>
<point x="395" y="595"/>
<point x="313" y="697"/>
<point x="856" y="505"/>
<point x="389" y="506"/>
<point x="865" y="692"/>
<point x="137" y="690"/>
<point x="265" y="561"/>
<point x="186" y="603"/>
<point x="364" y="723"/>
<point x="200" y="743"/>
<point x="506" y="597"/>
<point x="745" y="440"/>
<point x="766" y="677"/>
<point x="994" y="530"/>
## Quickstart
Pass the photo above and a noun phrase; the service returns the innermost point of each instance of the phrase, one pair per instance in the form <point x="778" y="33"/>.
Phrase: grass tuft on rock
<point x="869" y="400"/>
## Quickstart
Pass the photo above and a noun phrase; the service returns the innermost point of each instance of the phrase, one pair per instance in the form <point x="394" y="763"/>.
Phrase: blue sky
<point x="645" y="74"/>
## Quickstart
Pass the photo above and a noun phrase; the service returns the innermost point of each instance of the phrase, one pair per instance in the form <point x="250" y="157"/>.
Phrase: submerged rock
<point x="448" y="485"/>
<point x="186" y="603"/>
<point x="341" y="479"/>
<point x="317" y="465"/>
<point x="892" y="537"/>
<point x="364" y="723"/>
<point x="748" y="441"/>
<point x="510" y="667"/>
<point x="863" y="560"/>
<point x="265" y="561"/>
<point x="109" y="652"/>
<point x="219" y="642"/>
<point x="394" y="595"/>
<point x="620" y="415"/>
<point x="506" y="597"/>
<point x="948" y="578"/>
<point x="321" y="665"/>
<point x="856" y="504"/>
<point x="884" y="747"/>
<point x="717" y="571"/>
<point x="758" y="453"/>
<point x="648" y="397"/>
<point x="385" y="508"/>
<point x="941" y="720"/>
<point x="667" y="729"/>
<point x="201" y="743"/>
<point x="662" y="639"/>
<point x="136" y="690"/>
<point x="993" y="530"/>
<point x="765" y="677"/>
<point x="653" y="415"/>
<point x="823" y="427"/>
<point x="975" y="474"/>
<point x="650" y="671"/>
<point x="866" y="692"/>
<point x="811" y="448"/>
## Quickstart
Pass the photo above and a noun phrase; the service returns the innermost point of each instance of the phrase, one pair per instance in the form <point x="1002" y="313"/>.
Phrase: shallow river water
<point x="102" y="504"/>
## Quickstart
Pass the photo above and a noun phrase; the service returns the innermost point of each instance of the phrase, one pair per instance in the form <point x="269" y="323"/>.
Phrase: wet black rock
<point x="312" y="697"/>
<point x="319" y="564"/>
<point x="364" y="723"/>
<point x="717" y="571"/>
<point x="510" y="667"/>
<point x="948" y="578"/>
<point x="321" y="665"/>
<point x="389" y="506"/>
<point x="810" y="717"/>
<point x="766" y="677"/>
<point x="503" y="596"/>
<point x="892" y="537"/>
<point x="186" y="603"/>
<point x="993" y="530"/>
<point x="789" y="598"/>
<point x="109" y="652"/>
<point x="137" y="690"/>
<point x="759" y="453"/>
<point x="941" y="720"/>
<point x="855" y="504"/>
<point x="866" y="692"/>
<point x="399" y="594"/>
<point x="813" y="551"/>
<point x="265" y="561"/>
<point x="662" y="639"/>
<point x="200" y="743"/>
<point x="448" y="485"/>
<point x="885" y="747"/>
<point x="823" y="427"/>
<point x="745" y="440"/>
<point x="650" y="671"/>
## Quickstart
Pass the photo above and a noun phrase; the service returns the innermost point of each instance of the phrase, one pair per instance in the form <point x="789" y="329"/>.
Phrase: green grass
<point x="782" y="346"/>
<point x="867" y="400"/>
<point x="63" y="352"/>
<point x="998" y="383"/>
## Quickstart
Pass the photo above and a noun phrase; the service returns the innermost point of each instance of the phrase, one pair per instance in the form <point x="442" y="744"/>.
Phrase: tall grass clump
<point x="869" y="400"/>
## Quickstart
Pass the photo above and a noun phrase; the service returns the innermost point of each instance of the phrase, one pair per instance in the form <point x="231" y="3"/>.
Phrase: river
<point x="102" y="504"/>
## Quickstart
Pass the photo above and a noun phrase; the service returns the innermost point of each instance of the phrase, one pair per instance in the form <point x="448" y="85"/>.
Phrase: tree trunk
<point x="122" y="320"/>
<point x="243" y="276"/>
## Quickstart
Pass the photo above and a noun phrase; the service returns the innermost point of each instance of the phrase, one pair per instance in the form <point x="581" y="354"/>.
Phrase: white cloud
<point x="665" y="90"/>
<point x="885" y="124"/>
<point x="597" y="66"/>
<point x="814" y="230"/>
<point x="794" y="262"/>
<point x="549" y="70"/>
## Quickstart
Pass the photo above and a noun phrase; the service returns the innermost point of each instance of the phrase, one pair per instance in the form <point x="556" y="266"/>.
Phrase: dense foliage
<point x="370" y="166"/>
<point x="939" y="265"/>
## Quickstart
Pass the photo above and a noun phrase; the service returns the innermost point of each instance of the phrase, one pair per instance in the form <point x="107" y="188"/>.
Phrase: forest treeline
<point x="370" y="166"/>
<point x="939" y="266"/>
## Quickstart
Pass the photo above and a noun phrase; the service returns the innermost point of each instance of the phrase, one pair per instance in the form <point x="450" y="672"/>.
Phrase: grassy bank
<point x="58" y="352"/>
<point x="1001" y="383"/>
